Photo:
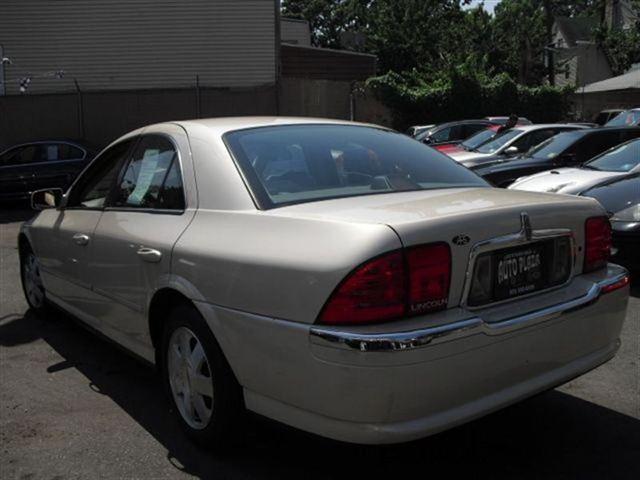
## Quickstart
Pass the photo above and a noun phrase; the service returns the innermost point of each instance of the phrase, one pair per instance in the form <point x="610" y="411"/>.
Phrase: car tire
<point x="201" y="388"/>
<point x="32" y="286"/>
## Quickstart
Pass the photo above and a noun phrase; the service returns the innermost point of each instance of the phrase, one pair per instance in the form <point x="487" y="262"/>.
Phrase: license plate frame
<point x="520" y="270"/>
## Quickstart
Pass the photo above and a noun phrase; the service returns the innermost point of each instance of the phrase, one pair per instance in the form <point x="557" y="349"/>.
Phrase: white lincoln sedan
<point x="337" y="277"/>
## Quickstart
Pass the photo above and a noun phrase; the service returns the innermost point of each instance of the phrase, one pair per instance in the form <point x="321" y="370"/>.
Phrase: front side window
<point x="443" y="135"/>
<point x="499" y="141"/>
<point x="478" y="139"/>
<point x="94" y="185"/>
<point x="303" y="163"/>
<point x="554" y="146"/>
<point x="22" y="155"/>
<point x="534" y="138"/>
<point x="151" y="179"/>
<point x="622" y="158"/>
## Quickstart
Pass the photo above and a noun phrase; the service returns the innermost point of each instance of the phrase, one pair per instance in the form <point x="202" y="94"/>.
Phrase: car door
<point x="63" y="237"/>
<point x="132" y="244"/>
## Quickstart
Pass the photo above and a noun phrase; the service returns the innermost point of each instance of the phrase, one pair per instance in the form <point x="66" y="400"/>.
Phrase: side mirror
<point x="48" y="198"/>
<point x="569" y="158"/>
<point x="511" y="151"/>
<point x="427" y="141"/>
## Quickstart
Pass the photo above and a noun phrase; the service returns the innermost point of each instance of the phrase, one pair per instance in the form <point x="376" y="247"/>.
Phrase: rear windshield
<point x="302" y="163"/>
<point x="622" y="158"/>
<point x="498" y="142"/>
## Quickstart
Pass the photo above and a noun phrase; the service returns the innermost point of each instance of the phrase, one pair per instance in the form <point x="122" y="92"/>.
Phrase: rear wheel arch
<point x="161" y="303"/>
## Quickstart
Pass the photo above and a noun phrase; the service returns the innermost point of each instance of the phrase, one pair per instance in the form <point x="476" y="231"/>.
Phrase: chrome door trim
<point x="399" y="341"/>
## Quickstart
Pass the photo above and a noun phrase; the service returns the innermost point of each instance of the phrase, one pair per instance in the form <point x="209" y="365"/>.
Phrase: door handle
<point x="149" y="254"/>
<point x="81" y="239"/>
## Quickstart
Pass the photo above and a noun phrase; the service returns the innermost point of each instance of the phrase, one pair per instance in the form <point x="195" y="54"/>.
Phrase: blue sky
<point x="489" y="5"/>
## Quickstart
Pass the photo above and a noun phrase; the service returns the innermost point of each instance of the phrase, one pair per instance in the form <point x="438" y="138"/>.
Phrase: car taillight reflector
<point x="373" y="292"/>
<point x="429" y="277"/>
<point x="597" y="238"/>
<point x="397" y="284"/>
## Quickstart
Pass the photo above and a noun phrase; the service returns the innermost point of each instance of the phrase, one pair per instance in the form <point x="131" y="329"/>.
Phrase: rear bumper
<point x="405" y="380"/>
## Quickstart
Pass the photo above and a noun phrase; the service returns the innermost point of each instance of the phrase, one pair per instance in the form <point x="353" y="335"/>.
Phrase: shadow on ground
<point x="553" y="435"/>
<point x="15" y="212"/>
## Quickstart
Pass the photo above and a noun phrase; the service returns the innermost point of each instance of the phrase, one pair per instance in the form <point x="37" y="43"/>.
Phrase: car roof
<point x="74" y="143"/>
<point x="541" y="126"/>
<point x="222" y="125"/>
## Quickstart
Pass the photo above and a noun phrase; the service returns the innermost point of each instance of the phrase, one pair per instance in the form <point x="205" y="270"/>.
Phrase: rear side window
<point x="302" y="163"/>
<point x="151" y="178"/>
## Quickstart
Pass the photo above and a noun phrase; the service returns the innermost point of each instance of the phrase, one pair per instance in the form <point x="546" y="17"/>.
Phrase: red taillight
<point x="373" y="292"/>
<point x="396" y="284"/>
<point x="597" y="243"/>
<point x="429" y="276"/>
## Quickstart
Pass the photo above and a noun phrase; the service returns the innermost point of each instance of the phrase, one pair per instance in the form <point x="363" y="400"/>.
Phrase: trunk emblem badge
<point x="461" y="239"/>
<point x="526" y="225"/>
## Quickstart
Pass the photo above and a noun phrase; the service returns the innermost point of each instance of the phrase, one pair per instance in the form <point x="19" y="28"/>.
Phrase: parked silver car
<point x="617" y="162"/>
<point x="338" y="277"/>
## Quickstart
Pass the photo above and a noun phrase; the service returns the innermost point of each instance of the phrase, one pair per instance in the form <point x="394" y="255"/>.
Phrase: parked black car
<point x="452" y="131"/>
<point x="37" y="165"/>
<point x="568" y="149"/>
<point x="621" y="198"/>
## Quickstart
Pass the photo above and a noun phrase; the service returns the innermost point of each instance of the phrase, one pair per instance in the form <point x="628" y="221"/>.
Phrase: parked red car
<point x="472" y="142"/>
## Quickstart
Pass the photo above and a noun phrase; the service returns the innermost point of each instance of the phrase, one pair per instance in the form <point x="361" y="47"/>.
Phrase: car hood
<point x="464" y="155"/>
<point x="563" y="180"/>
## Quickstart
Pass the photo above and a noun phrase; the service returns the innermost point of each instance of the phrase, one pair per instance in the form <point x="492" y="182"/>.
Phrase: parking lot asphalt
<point x="74" y="406"/>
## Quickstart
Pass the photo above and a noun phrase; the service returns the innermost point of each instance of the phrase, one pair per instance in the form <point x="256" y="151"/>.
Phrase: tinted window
<point x="442" y="135"/>
<point x="478" y="139"/>
<point x="23" y="155"/>
<point x="628" y="118"/>
<point x="298" y="163"/>
<point x="622" y="158"/>
<point x="69" y="152"/>
<point x="595" y="144"/>
<point x="472" y="129"/>
<point x="151" y="179"/>
<point x="554" y="146"/>
<point x="498" y="141"/>
<point x="96" y="182"/>
<point x="532" y="139"/>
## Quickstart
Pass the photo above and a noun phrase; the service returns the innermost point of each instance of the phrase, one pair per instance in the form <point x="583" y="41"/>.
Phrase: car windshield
<point x="478" y="139"/>
<point x="498" y="141"/>
<point x="622" y="158"/>
<point x="302" y="163"/>
<point x="554" y="146"/>
<point x="625" y="119"/>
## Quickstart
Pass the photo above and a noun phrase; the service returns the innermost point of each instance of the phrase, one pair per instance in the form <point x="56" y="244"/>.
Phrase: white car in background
<point x="617" y="162"/>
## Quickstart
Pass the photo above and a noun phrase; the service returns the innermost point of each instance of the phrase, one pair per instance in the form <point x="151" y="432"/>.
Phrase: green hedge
<point x="455" y="96"/>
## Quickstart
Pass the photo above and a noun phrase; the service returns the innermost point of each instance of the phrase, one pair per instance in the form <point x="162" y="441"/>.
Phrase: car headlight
<point x="630" y="214"/>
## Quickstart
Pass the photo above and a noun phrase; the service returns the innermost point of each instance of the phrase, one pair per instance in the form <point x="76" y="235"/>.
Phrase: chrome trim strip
<point x="524" y="236"/>
<point x="397" y="341"/>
